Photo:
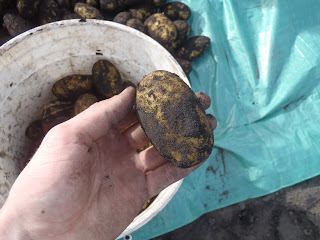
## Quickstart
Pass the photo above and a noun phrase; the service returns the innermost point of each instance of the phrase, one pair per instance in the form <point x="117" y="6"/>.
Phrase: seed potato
<point x="72" y="86"/>
<point x="122" y="17"/>
<point x="86" y="11"/>
<point x="106" y="79"/>
<point x="173" y="119"/>
<point x="177" y="11"/>
<point x="15" y="24"/>
<point x="183" y="28"/>
<point x="161" y="29"/>
<point x="193" y="48"/>
<point x="84" y="102"/>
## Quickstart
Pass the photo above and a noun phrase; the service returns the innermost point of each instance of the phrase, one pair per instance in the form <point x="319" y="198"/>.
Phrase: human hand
<point x="87" y="181"/>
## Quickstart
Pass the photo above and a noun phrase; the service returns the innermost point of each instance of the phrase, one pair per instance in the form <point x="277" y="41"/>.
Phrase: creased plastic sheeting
<point x="262" y="73"/>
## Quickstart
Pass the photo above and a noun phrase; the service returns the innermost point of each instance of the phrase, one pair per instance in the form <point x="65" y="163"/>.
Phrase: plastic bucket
<point x="30" y="64"/>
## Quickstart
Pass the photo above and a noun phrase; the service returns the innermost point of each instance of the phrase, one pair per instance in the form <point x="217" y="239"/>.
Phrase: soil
<point x="290" y="214"/>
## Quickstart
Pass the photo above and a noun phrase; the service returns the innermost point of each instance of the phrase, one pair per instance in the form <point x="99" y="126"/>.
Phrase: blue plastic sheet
<point x="262" y="73"/>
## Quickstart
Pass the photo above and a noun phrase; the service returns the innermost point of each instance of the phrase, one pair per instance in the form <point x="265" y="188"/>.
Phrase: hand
<point x="87" y="181"/>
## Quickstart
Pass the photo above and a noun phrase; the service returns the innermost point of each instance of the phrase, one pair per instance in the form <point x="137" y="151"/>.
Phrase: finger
<point x="150" y="159"/>
<point x="128" y="121"/>
<point x="212" y="120"/>
<point x="100" y="117"/>
<point x="164" y="176"/>
<point x="204" y="99"/>
<point x="136" y="136"/>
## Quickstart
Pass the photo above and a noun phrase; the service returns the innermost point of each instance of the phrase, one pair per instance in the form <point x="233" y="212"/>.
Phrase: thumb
<point x="98" y="119"/>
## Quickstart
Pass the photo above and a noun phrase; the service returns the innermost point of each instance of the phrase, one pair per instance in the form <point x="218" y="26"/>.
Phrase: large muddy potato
<point x="173" y="119"/>
<point x="72" y="86"/>
<point x="177" y="11"/>
<point x="193" y="48"/>
<point x="161" y="29"/>
<point x="107" y="79"/>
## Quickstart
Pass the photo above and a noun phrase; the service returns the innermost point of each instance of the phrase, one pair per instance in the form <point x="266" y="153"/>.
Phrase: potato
<point x="84" y="102"/>
<point x="34" y="131"/>
<point x="159" y="3"/>
<point x="193" y="48"/>
<point x="15" y="24"/>
<point x="177" y="11"/>
<point x="28" y="8"/>
<point x="142" y="13"/>
<point x="56" y="112"/>
<point x="183" y="29"/>
<point x="86" y="11"/>
<point x="185" y="65"/>
<point x="128" y="84"/>
<point x="161" y="29"/>
<point x="112" y="5"/>
<point x="173" y="119"/>
<point x="66" y="15"/>
<point x="106" y="79"/>
<point x="122" y="17"/>
<point x="93" y="3"/>
<point x="72" y="86"/>
<point x="137" y="24"/>
<point x="49" y="12"/>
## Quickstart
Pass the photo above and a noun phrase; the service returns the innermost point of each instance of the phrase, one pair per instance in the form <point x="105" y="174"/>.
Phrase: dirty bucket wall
<point x="33" y="61"/>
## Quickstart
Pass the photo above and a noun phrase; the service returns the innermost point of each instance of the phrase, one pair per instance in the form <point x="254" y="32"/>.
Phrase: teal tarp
<point x="262" y="72"/>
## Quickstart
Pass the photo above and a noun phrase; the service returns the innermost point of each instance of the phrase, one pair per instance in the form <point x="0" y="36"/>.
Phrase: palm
<point x="87" y="181"/>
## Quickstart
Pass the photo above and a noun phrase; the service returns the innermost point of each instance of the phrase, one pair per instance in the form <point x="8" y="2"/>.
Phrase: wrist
<point x="11" y="227"/>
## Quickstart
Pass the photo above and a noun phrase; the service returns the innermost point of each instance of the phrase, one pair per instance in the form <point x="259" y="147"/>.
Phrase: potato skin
<point x="183" y="28"/>
<point x="86" y="11"/>
<point x="84" y="102"/>
<point x="72" y="86"/>
<point x="193" y="48"/>
<point x="106" y="79"/>
<point x="173" y="119"/>
<point x="161" y="29"/>
<point x="177" y="11"/>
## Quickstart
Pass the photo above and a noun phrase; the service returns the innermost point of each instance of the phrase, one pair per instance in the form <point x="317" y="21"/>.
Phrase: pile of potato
<point x="164" y="22"/>
<point x="74" y="94"/>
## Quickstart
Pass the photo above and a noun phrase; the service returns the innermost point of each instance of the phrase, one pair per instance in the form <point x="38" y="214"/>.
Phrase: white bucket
<point x="30" y="64"/>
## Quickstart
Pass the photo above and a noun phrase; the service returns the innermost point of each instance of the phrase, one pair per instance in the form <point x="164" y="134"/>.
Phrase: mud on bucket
<point x="34" y="60"/>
